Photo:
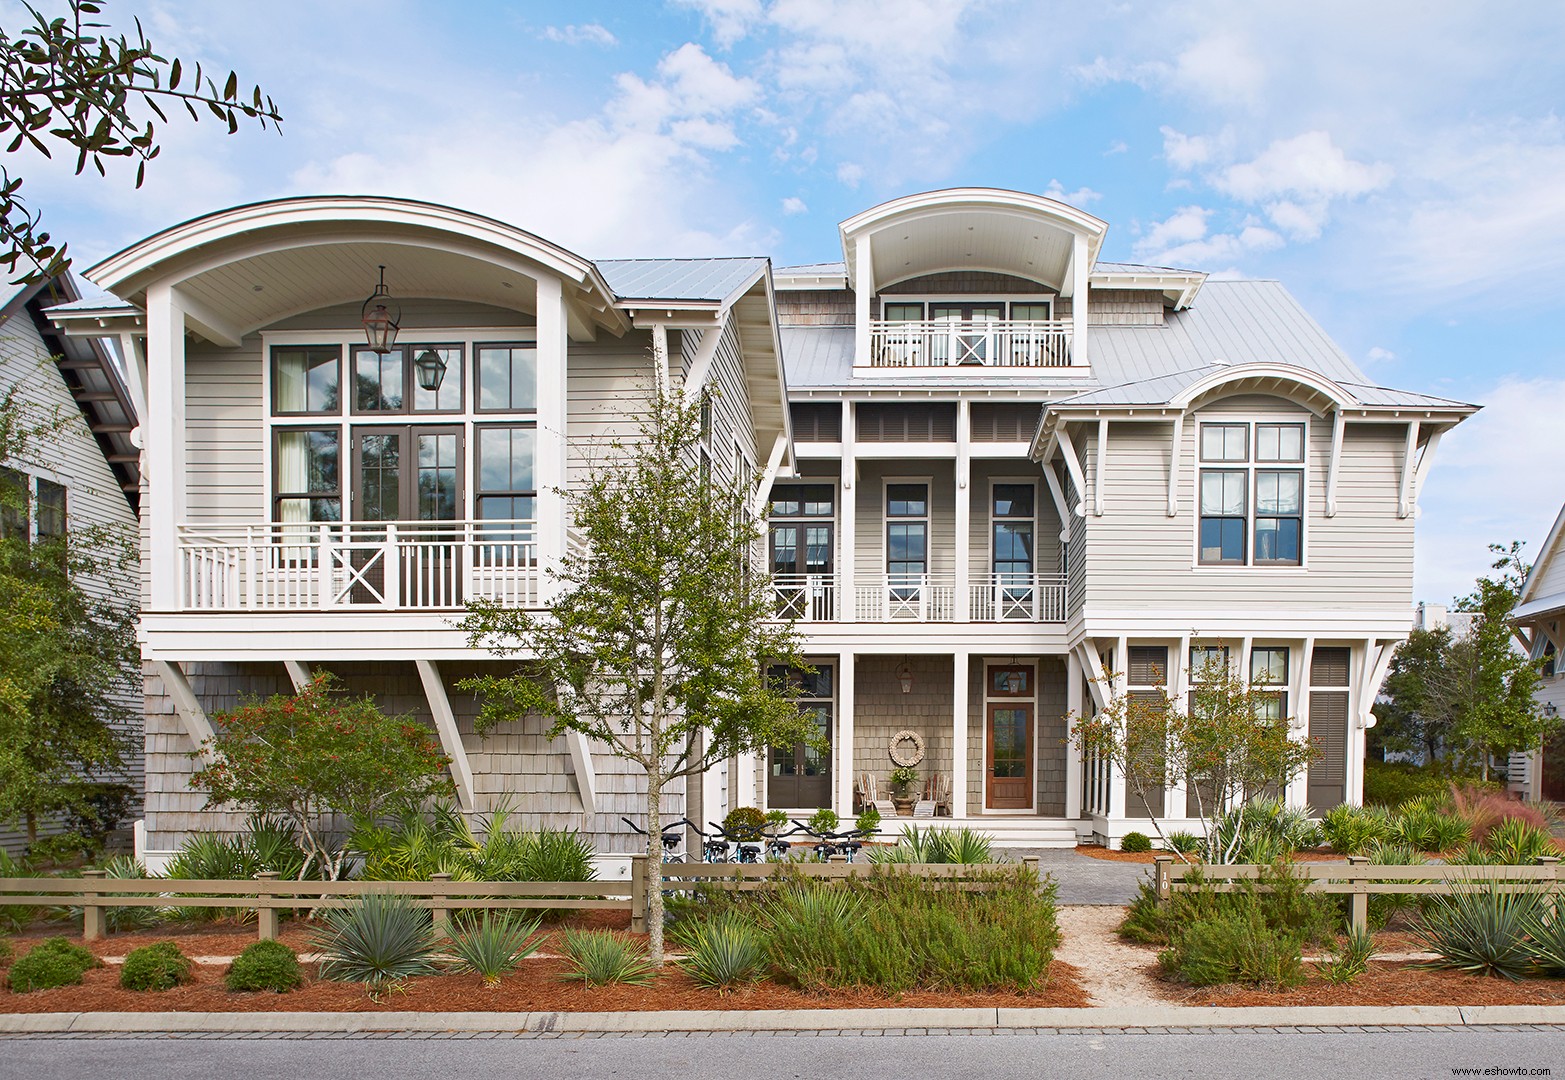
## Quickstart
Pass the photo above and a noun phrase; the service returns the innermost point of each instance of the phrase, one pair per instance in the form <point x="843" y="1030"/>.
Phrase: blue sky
<point x="1397" y="165"/>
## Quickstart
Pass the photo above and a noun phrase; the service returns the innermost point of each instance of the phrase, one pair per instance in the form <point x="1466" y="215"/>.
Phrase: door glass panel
<point x="437" y="476"/>
<point x="1008" y="730"/>
<point x="785" y="549"/>
<point x="380" y="476"/>
<point x="817" y="549"/>
<point x="815" y="762"/>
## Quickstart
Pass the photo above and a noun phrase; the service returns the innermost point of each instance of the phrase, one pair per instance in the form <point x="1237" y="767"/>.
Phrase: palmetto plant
<point x="1481" y="930"/>
<point x="725" y="952"/>
<point x="1515" y="842"/>
<point x="379" y="938"/>
<point x="948" y="846"/>
<point x="600" y="958"/>
<point x="1351" y="958"/>
<point x="493" y="945"/>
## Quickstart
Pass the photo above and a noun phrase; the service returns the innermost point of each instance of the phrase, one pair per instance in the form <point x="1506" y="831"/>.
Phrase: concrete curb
<point x="1159" y="1016"/>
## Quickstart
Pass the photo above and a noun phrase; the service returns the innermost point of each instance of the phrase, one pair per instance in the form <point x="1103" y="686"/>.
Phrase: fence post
<point x="92" y="913"/>
<point x="1031" y="863"/>
<point x="265" y="913"/>
<point x="1163" y="877"/>
<point x="440" y="915"/>
<point x="638" y="893"/>
<point x="1358" y="903"/>
<point x="836" y="858"/>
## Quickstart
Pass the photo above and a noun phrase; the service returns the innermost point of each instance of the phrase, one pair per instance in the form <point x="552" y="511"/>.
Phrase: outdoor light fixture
<point x="430" y="369"/>
<point x="1013" y="682"/>
<point x="905" y="676"/>
<point x="1550" y="709"/>
<point x="381" y="316"/>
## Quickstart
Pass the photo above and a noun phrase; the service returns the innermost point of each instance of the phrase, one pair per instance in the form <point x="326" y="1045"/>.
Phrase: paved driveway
<point x="1085" y="880"/>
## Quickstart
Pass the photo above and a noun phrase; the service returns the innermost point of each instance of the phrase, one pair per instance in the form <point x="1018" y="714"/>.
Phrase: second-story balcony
<point x="1028" y="344"/>
<point x="924" y="598"/>
<point x="357" y="566"/>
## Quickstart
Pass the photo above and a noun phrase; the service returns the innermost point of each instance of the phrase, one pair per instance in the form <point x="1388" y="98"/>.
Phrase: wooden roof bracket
<point x="1339" y="423"/>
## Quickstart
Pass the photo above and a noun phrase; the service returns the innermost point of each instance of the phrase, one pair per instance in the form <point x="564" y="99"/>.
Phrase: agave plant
<point x="1481" y="930"/>
<point x="1546" y="931"/>
<point x="601" y="958"/>
<point x="1351" y="958"/>
<point x="376" y="939"/>
<point x="493" y="945"/>
<point x="1515" y="842"/>
<point x="725" y="952"/>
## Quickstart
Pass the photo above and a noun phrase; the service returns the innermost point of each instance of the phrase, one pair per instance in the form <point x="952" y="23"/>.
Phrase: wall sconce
<point x="381" y="316"/>
<point x="430" y="369"/>
<point x="905" y="676"/>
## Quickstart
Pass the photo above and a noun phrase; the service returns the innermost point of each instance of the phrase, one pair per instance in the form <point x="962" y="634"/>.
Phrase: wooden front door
<point x="1008" y="756"/>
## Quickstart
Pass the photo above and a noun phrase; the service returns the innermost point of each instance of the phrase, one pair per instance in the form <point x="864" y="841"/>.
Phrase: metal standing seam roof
<point x="678" y="279"/>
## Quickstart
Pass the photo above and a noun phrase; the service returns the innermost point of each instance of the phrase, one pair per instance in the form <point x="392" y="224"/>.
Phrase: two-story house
<point x="994" y="466"/>
<point x="1539" y="622"/>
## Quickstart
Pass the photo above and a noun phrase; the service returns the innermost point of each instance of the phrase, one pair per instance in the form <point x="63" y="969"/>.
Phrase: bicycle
<point x="747" y="844"/>
<point x="847" y="844"/>
<point x="671" y="837"/>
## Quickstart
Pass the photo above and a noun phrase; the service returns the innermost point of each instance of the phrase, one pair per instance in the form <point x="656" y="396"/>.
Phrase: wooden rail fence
<point x="1358" y="879"/>
<point x="267" y="894"/>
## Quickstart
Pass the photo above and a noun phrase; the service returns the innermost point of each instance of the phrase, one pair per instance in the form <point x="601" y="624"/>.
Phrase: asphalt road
<point x="1337" y="1053"/>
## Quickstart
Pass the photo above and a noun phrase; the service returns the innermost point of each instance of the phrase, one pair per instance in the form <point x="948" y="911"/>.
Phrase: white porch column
<point x="863" y="294"/>
<point x="1299" y="701"/>
<point x="961" y="662"/>
<point x="1079" y="288"/>
<point x="964" y="506"/>
<point x="163" y="428"/>
<point x="1118" y="806"/>
<point x="847" y="520"/>
<point x="550" y="463"/>
<point x="1074" y="706"/>
<point x="842" y="753"/>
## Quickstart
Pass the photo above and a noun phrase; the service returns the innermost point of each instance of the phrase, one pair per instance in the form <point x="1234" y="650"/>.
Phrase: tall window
<point x="308" y="485"/>
<point x="15" y="503"/>
<point x="1269" y="671"/>
<point x="506" y="488"/>
<point x="1252" y="505"/>
<point x="907" y="538"/>
<point x="1013" y="533"/>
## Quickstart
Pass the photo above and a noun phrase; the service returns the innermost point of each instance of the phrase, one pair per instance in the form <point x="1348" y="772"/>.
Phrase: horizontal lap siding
<point x="1138" y="557"/>
<point x="1046" y="519"/>
<point x="607" y="383"/>
<point x="869" y="494"/>
<point x="731" y="421"/>
<point x="225" y="460"/>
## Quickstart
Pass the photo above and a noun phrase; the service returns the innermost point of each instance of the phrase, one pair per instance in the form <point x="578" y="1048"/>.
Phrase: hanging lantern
<point x="1013" y="682"/>
<point x="905" y="676"/>
<point x="430" y="369"/>
<point x="381" y="316"/>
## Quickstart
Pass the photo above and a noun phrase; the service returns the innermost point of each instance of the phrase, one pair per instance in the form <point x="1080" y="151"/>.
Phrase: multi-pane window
<point x="507" y="490"/>
<point x="1251" y="500"/>
<point x="51" y="509"/>
<point x="306" y="379"/>
<point x="1013" y="532"/>
<point x="390" y="382"/>
<point x="31" y="507"/>
<point x="1206" y="660"/>
<point x="907" y="537"/>
<point x="308" y="485"/>
<point x="1269" y="672"/>
<point x="15" y="516"/>
<point x="507" y="378"/>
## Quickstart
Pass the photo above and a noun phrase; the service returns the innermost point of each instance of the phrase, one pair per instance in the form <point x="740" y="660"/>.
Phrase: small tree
<point x="318" y="759"/>
<point x="68" y="653"/>
<point x="1224" y="747"/>
<point x="66" y="82"/>
<point x="658" y="642"/>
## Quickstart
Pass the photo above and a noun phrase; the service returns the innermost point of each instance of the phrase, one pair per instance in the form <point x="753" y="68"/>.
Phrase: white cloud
<point x="794" y="205"/>
<point x="1491" y="483"/>
<point x="1307" y="166"/>
<point x="1223" y="68"/>
<point x="1080" y="197"/>
<point x="1183" y="239"/>
<point x="850" y="174"/>
<point x="585" y="34"/>
<point x="1118" y="146"/>
<point x="1378" y="356"/>
<point x="730" y="20"/>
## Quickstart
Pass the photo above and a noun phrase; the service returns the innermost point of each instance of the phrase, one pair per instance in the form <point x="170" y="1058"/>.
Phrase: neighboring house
<point x="85" y="474"/>
<point x="1539" y="620"/>
<point x="995" y="467"/>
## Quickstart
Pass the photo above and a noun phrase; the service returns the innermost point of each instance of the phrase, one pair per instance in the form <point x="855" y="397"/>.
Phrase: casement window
<point x="1011" y="539"/>
<point x="1251" y="494"/>
<point x="907" y="538"/>
<point x="507" y="378"/>
<point x="1269" y="673"/>
<point x="1202" y="656"/>
<point x="306" y="380"/>
<point x="388" y="382"/>
<point x="307" y="484"/>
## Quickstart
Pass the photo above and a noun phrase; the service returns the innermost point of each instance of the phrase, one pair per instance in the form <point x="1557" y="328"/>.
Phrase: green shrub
<point x="823" y="821"/>
<point x="1267" y="831"/>
<point x="1350" y="960"/>
<point x="776" y="819"/>
<point x="264" y="967"/>
<point x="126" y="868"/>
<point x="1186" y="843"/>
<point x="1514" y="842"/>
<point x="493" y="945"/>
<point x="51" y="963"/>
<point x="1383" y="907"/>
<point x="895" y="932"/>
<point x="744" y="822"/>
<point x="160" y="966"/>
<point x="725" y="952"/>
<point x="1235" y="946"/>
<point x="601" y="958"/>
<point x="5" y="952"/>
<point x="1392" y="783"/>
<point x="376" y="939"/>
<point x="1353" y="830"/>
<point x="1280" y="898"/>
<point x="16" y="916"/>
<point x="1481" y="930"/>
<point x="868" y="821"/>
<point x="1135" y="842"/>
<point x="963" y="847"/>
<point x="417" y="844"/>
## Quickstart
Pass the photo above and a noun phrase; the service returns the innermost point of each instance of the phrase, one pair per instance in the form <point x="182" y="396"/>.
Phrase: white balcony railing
<point x="1018" y="598"/>
<point x="995" y="343"/>
<point x="806" y="597"/>
<point x="395" y="566"/>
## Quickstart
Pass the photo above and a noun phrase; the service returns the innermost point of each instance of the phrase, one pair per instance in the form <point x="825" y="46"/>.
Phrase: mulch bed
<point x="1384" y="984"/>
<point x="1098" y="851"/>
<point x="536" y="987"/>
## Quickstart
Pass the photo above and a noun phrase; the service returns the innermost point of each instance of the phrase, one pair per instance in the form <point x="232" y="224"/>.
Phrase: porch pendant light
<point x="381" y="316"/>
<point x="430" y="369"/>
<point x="905" y="676"/>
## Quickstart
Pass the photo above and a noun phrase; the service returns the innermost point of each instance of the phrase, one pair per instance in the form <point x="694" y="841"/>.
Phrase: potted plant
<point x="903" y="777"/>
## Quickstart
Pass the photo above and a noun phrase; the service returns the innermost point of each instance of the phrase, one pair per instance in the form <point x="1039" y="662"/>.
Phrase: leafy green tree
<point x="658" y="642"/>
<point x="67" y="81"/>
<point x="317" y="759"/>
<point x="1224" y="746"/>
<point x="68" y="652"/>
<point x="1412" y="718"/>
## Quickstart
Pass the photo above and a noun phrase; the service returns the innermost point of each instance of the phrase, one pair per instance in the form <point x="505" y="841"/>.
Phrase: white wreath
<point x="907" y="757"/>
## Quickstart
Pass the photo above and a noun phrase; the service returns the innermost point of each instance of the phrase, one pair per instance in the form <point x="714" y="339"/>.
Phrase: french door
<point x="411" y="475"/>
<point x="802" y="569"/>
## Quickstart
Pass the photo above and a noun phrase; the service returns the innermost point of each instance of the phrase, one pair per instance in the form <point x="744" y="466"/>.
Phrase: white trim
<point x="1339" y="424"/>
<point x="1073" y="467"/>
<point x="774" y="462"/>
<point x="1057" y="493"/>
<point x="298" y="674"/>
<point x="586" y="772"/>
<point x="1099" y="481"/>
<point x="1175" y="455"/>
<point x="928" y="519"/>
<point x="1250" y="466"/>
<point x="1409" y="466"/>
<point x="701" y="363"/>
<point x="450" y="736"/>
<point x="843" y="693"/>
<point x="1425" y="460"/>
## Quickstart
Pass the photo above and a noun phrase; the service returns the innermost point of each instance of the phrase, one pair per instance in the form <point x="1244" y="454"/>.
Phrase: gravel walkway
<point x="1085" y="880"/>
<point x="1113" y="972"/>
